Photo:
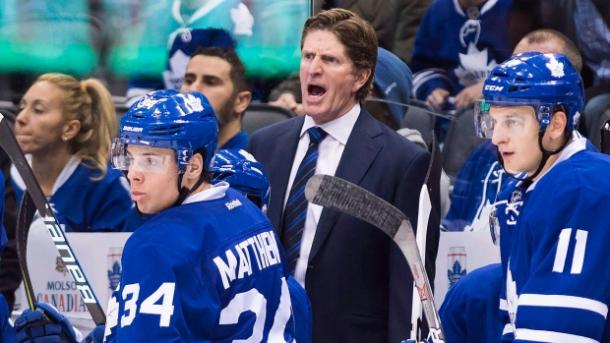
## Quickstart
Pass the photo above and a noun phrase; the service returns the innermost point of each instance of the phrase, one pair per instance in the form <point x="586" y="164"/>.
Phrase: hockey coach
<point x="358" y="282"/>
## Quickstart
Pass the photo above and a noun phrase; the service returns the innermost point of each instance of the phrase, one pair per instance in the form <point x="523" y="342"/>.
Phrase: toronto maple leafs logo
<point x="114" y="275"/>
<point x="555" y="67"/>
<point x="192" y="103"/>
<point x="174" y="76"/>
<point x="146" y="103"/>
<point x="474" y="66"/>
<point x="455" y="273"/>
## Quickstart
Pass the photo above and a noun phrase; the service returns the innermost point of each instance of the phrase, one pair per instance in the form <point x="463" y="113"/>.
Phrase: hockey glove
<point x="44" y="325"/>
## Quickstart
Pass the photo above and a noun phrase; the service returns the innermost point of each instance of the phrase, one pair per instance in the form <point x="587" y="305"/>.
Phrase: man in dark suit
<point x="358" y="282"/>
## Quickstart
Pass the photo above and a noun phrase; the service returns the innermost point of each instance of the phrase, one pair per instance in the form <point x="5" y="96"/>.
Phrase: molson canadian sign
<point x="99" y="255"/>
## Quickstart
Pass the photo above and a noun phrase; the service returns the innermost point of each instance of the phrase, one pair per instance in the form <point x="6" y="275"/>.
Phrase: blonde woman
<point x="66" y="126"/>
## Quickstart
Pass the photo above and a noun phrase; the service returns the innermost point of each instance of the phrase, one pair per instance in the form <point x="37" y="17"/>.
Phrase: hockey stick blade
<point x="9" y="144"/>
<point x="343" y="196"/>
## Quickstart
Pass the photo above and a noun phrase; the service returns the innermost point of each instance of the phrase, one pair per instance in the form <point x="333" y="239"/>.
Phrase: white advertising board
<point x="460" y="253"/>
<point x="99" y="255"/>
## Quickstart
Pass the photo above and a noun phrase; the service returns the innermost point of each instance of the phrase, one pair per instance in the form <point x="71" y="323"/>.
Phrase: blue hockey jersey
<point x="452" y="51"/>
<point x="553" y="244"/>
<point x="209" y="270"/>
<point x="83" y="204"/>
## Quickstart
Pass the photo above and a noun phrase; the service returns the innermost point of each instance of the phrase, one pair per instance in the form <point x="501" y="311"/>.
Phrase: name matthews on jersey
<point x="237" y="261"/>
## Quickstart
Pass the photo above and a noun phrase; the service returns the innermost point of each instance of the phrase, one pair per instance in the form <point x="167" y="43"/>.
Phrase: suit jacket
<point x="358" y="282"/>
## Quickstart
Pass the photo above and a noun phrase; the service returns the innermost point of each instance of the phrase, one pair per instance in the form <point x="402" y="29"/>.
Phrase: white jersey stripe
<point x="503" y="305"/>
<point x="566" y="301"/>
<point x="550" y="336"/>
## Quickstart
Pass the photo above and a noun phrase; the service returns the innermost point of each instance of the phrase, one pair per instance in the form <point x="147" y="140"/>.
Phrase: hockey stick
<point x="332" y="192"/>
<point x="24" y="220"/>
<point x="423" y="215"/>
<point x="9" y="144"/>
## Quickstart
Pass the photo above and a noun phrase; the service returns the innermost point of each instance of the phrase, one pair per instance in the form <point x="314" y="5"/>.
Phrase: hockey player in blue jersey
<point x="206" y="266"/>
<point x="554" y="222"/>
<point x="482" y="177"/>
<point x="243" y="173"/>
<point x="241" y="170"/>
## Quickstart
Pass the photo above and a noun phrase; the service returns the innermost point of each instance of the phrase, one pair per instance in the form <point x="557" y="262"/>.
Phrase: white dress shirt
<point x="330" y="151"/>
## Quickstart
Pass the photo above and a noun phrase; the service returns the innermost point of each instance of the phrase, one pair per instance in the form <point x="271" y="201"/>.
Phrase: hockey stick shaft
<point x="9" y="144"/>
<point x="24" y="220"/>
<point x="338" y="194"/>
<point x="423" y="215"/>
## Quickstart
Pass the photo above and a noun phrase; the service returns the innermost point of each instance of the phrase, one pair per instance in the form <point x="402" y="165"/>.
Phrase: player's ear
<point x="558" y="124"/>
<point x="195" y="166"/>
<point x="242" y="100"/>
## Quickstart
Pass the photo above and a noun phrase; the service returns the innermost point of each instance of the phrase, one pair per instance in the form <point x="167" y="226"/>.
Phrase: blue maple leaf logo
<point x="455" y="273"/>
<point x="114" y="276"/>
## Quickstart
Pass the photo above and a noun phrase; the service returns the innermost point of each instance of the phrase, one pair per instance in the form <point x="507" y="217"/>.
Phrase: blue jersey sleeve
<point x="470" y="312"/>
<point x="557" y="288"/>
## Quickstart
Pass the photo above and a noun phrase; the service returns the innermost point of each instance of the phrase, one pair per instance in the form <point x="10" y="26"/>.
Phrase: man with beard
<point x="219" y="74"/>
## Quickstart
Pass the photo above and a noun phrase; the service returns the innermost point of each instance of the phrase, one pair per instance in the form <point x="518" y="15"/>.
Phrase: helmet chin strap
<point x="527" y="181"/>
<point x="184" y="192"/>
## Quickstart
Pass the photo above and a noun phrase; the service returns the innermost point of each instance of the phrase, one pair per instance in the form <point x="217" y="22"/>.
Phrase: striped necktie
<point x="295" y="211"/>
